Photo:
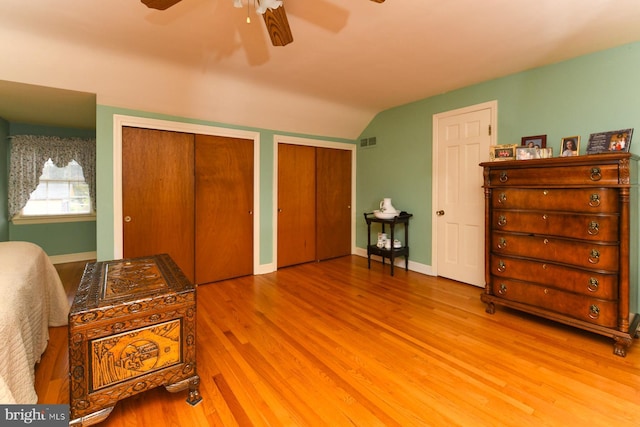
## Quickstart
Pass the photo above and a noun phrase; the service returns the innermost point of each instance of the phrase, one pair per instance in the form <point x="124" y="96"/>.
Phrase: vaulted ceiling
<point x="349" y="59"/>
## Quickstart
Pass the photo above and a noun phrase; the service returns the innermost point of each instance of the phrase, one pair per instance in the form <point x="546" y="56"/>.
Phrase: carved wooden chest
<point x="132" y="327"/>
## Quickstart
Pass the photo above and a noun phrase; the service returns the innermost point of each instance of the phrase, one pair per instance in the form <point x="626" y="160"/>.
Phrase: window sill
<point x="52" y="219"/>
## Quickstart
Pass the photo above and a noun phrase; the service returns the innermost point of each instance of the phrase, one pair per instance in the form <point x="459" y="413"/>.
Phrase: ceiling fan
<point x="275" y="17"/>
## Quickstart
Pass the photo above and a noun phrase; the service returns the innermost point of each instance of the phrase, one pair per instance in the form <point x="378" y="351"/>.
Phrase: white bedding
<point x="32" y="298"/>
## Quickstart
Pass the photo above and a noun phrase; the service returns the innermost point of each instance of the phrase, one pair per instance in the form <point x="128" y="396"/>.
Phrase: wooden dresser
<point x="561" y="237"/>
<point x="132" y="327"/>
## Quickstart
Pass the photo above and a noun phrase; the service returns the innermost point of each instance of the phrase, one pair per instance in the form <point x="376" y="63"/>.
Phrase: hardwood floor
<point x="334" y="343"/>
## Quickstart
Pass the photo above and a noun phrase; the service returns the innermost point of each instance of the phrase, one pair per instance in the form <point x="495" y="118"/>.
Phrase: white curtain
<point x="28" y="156"/>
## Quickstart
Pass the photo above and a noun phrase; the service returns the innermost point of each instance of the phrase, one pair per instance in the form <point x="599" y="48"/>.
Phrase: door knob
<point x="439" y="213"/>
<point x="127" y="218"/>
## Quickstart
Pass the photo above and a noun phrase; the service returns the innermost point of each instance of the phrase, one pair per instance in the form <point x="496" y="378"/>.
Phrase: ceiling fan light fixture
<point x="263" y="5"/>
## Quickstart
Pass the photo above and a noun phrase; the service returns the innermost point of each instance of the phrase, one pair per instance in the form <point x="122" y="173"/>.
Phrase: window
<point x="61" y="191"/>
<point x="52" y="179"/>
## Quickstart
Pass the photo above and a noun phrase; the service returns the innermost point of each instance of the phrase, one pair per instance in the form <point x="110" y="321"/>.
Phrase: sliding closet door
<point x="296" y="204"/>
<point x="157" y="195"/>
<point x="224" y="208"/>
<point x="333" y="198"/>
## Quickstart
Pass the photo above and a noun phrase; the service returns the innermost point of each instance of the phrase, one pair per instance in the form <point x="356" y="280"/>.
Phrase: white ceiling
<point x="362" y="56"/>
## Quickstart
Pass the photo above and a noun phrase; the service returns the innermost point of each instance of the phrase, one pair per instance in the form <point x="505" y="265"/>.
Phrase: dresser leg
<point x="621" y="345"/>
<point x="491" y="308"/>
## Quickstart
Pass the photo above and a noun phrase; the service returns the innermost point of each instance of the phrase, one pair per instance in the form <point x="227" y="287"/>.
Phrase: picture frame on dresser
<point x="526" y="153"/>
<point x="502" y="152"/>
<point x="570" y="146"/>
<point x="539" y="141"/>
<point x="611" y="141"/>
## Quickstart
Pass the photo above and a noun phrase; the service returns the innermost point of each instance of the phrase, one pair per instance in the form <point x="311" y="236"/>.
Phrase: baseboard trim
<point x="82" y="256"/>
<point x="413" y="266"/>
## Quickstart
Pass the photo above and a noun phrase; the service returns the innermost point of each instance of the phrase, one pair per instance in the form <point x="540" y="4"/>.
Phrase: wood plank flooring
<point x="336" y="344"/>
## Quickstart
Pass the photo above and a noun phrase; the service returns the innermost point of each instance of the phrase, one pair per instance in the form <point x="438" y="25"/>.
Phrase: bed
<point x="32" y="298"/>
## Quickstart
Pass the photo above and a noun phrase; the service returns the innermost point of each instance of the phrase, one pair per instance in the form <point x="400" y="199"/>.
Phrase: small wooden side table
<point x="393" y="252"/>
<point x="132" y="327"/>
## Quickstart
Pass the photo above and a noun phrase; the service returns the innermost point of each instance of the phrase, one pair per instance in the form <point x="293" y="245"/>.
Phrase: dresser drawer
<point x="593" y="255"/>
<point x="577" y="226"/>
<point x="589" y="309"/>
<point x="594" y="283"/>
<point x="596" y="200"/>
<point x="604" y="174"/>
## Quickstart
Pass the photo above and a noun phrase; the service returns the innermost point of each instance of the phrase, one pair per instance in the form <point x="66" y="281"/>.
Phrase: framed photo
<point x="616" y="140"/>
<point x="570" y="146"/>
<point x="527" y="153"/>
<point x="539" y="141"/>
<point x="503" y="152"/>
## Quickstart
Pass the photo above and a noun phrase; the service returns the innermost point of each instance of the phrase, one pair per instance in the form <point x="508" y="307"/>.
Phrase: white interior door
<point x="463" y="139"/>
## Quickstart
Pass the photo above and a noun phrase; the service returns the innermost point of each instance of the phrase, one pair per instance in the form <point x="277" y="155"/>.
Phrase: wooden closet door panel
<point x="296" y="204"/>
<point x="157" y="195"/>
<point x="224" y="208"/>
<point x="333" y="195"/>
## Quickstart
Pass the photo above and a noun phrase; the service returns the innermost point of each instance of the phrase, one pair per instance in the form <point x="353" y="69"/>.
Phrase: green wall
<point x="4" y="179"/>
<point x="104" y="177"/>
<point x="592" y="93"/>
<point x="55" y="238"/>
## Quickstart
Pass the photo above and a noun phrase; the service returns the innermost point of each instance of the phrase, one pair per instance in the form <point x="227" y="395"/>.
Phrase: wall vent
<point x="368" y="142"/>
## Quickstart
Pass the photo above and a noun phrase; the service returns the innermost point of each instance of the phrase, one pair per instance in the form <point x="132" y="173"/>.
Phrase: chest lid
<point x="108" y="283"/>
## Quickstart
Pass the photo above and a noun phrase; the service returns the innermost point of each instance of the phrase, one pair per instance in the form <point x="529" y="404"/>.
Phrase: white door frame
<point x="120" y="121"/>
<point x="284" y="139"/>
<point x="493" y="106"/>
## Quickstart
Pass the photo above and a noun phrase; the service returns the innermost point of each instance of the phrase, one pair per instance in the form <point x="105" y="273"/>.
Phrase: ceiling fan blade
<point x="378" y="1"/>
<point x="278" y="26"/>
<point x="160" y="4"/>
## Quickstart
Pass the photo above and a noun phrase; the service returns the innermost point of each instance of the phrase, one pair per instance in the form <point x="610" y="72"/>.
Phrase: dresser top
<point x="590" y="159"/>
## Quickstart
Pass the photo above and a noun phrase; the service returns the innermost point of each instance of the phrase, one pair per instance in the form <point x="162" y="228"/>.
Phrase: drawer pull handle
<point x="502" y="267"/>
<point x="594" y="228"/>
<point x="503" y="176"/>
<point x="502" y="220"/>
<point x="503" y="289"/>
<point x="593" y="284"/>
<point x="502" y="197"/>
<point x="594" y="311"/>
<point x="546" y="291"/>
<point x="594" y="258"/>
<point x="596" y="174"/>
<point x="545" y="217"/>
<point x="545" y="192"/>
<point x="545" y="241"/>
<point x="502" y="243"/>
<point x="594" y="201"/>
<point x="544" y="266"/>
